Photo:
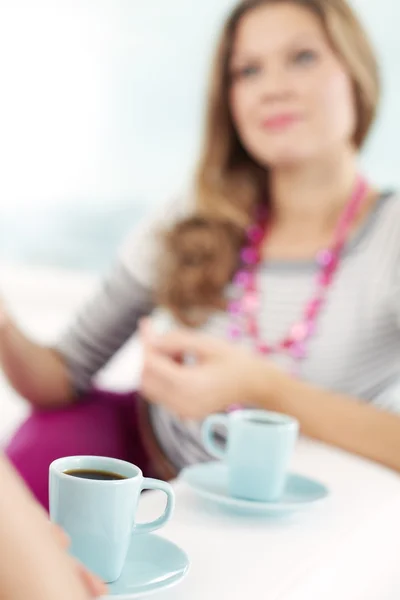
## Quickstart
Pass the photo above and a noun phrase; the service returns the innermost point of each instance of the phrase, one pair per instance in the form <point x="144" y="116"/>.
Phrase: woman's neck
<point x="313" y="195"/>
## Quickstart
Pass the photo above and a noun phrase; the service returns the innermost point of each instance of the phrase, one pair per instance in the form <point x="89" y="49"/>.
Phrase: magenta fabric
<point x="102" y="424"/>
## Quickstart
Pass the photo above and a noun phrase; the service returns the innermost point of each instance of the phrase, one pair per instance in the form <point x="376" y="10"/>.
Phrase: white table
<point x="346" y="549"/>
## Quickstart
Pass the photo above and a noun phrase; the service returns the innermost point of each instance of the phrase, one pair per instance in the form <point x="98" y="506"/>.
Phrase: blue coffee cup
<point x="259" y="446"/>
<point x="99" y="515"/>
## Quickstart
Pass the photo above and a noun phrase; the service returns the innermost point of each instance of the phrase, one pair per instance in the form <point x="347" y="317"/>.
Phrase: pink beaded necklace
<point x="243" y="310"/>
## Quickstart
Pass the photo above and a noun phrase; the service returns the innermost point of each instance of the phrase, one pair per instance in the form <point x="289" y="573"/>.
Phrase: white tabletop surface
<point x="347" y="548"/>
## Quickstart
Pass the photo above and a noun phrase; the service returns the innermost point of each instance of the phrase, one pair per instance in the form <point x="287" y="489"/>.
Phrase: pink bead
<point x="252" y="328"/>
<point x="287" y="343"/>
<point x="252" y="284"/>
<point x="242" y="279"/>
<point x="299" y="332"/>
<point x="324" y="279"/>
<point x="312" y="327"/>
<point x="235" y="308"/>
<point x="264" y="349"/>
<point x="255" y="234"/>
<point x="299" y="351"/>
<point x="334" y="264"/>
<point x="313" y="308"/>
<point x="249" y="256"/>
<point x="250" y="303"/>
<point x="324" y="258"/>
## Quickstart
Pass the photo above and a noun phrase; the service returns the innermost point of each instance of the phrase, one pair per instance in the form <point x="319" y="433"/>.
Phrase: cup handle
<point x="156" y="484"/>
<point x="208" y="434"/>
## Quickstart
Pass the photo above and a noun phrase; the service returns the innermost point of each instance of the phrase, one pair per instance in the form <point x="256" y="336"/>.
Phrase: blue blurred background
<point x="101" y="110"/>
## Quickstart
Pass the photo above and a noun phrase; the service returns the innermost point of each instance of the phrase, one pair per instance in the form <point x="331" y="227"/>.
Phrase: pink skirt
<point x="101" y="424"/>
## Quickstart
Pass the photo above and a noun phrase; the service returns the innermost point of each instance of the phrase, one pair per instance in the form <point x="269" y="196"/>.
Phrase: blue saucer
<point x="210" y="481"/>
<point x="153" y="564"/>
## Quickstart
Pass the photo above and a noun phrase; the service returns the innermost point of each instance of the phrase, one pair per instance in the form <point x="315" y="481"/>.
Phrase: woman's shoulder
<point x="140" y="249"/>
<point x="387" y="211"/>
<point x="389" y="200"/>
<point x="384" y="219"/>
<point x="380" y="234"/>
<point x="164" y="213"/>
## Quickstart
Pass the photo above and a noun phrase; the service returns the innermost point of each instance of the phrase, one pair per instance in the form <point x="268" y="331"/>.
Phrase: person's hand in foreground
<point x="34" y="563"/>
<point x="92" y="583"/>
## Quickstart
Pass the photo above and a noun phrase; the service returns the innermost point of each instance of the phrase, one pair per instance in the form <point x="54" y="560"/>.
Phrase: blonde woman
<point x="282" y="245"/>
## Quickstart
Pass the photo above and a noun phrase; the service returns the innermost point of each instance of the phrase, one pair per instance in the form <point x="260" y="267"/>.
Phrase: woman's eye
<point x="245" y="72"/>
<point x="305" y="57"/>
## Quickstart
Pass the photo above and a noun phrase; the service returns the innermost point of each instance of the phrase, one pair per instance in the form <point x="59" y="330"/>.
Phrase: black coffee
<point x="94" y="474"/>
<point x="262" y="421"/>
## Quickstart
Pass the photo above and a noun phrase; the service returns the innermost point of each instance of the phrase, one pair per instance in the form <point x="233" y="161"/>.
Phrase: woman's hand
<point x="92" y="583"/>
<point x="220" y="376"/>
<point x="225" y="374"/>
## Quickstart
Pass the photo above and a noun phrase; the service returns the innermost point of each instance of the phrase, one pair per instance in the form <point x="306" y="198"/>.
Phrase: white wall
<point x="100" y="115"/>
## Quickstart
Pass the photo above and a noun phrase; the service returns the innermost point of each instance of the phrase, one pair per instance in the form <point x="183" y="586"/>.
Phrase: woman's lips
<point x="280" y="122"/>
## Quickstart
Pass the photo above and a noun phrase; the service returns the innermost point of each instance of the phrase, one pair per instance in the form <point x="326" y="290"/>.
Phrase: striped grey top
<point x="356" y="349"/>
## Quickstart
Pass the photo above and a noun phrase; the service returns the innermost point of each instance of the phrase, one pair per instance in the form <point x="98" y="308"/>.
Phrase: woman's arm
<point x="333" y="418"/>
<point x="32" y="564"/>
<point x="225" y="375"/>
<point x="48" y="377"/>
<point x="36" y="372"/>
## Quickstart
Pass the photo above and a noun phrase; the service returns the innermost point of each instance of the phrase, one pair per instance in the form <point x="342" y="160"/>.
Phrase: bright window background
<point x="101" y="107"/>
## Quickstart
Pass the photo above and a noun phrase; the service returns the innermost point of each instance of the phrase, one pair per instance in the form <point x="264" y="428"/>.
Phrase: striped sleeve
<point x="124" y="297"/>
<point x="141" y="249"/>
<point x="103" y="325"/>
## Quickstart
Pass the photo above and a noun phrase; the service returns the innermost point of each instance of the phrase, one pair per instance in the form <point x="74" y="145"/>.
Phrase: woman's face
<point x="291" y="98"/>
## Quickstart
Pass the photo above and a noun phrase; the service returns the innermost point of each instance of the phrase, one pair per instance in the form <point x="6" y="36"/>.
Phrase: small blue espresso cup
<point x="99" y="515"/>
<point x="258" y="450"/>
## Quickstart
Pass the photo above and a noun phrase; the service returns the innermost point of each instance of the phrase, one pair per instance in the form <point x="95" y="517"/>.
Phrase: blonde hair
<point x="202" y="253"/>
